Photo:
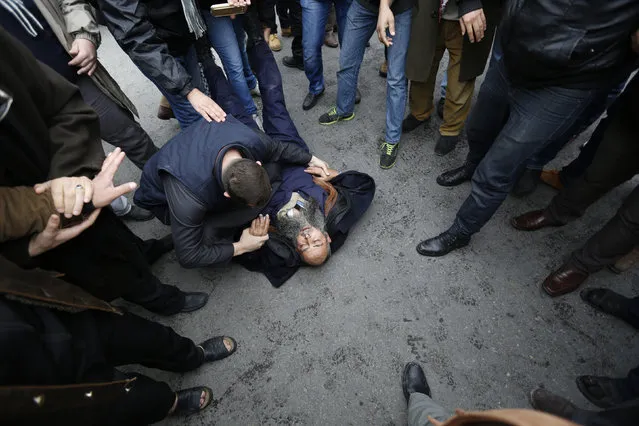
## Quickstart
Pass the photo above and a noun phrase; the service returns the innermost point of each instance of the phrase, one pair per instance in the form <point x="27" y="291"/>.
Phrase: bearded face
<point x="305" y="229"/>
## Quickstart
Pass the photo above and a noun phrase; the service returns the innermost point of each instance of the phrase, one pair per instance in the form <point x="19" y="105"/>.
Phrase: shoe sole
<point x="388" y="167"/>
<point x="422" y="253"/>
<point x="275" y="50"/>
<point x="338" y="120"/>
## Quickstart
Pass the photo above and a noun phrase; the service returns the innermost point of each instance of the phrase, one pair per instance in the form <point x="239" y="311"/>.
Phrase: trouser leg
<point x="420" y="96"/>
<point x="276" y="120"/>
<point x="614" y="240"/>
<point x="613" y="163"/>
<point x="459" y="94"/>
<point x="623" y="415"/>
<point x="295" y="16"/>
<point x="314" y="15"/>
<point x="117" y="125"/>
<point x="108" y="261"/>
<point x="421" y="406"/>
<point x="130" y="339"/>
<point x="396" y="82"/>
<point x="530" y="127"/>
<point x="490" y="113"/>
<point x="360" y="25"/>
<point x="148" y="401"/>
<point x="341" y="12"/>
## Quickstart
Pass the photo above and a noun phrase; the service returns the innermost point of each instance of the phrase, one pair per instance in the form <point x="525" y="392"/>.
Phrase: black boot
<point x="293" y="62"/>
<point x="457" y="176"/>
<point x="445" y="144"/>
<point x="414" y="380"/>
<point x="443" y="244"/>
<point x="527" y="183"/>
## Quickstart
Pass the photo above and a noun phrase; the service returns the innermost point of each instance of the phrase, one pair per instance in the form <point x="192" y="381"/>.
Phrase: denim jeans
<point x="507" y="126"/>
<point x="589" y="116"/>
<point x="182" y="108"/>
<point x="238" y="26"/>
<point x="314" y="16"/>
<point x="276" y="120"/>
<point x="360" y="26"/>
<point x="223" y="37"/>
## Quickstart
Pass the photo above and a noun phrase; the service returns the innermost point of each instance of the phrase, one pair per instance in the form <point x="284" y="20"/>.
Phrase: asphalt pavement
<point x="328" y="347"/>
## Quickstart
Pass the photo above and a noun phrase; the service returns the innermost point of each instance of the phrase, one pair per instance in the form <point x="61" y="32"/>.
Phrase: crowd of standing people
<point x="241" y="185"/>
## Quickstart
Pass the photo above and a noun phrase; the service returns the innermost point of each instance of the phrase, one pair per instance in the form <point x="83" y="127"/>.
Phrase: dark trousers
<point x="283" y="11"/>
<point x="109" y="261"/>
<point x="117" y="125"/>
<point x="507" y="126"/>
<point x="614" y="163"/>
<point x="276" y="120"/>
<point x="295" y="17"/>
<point x="130" y="339"/>
<point x="597" y="107"/>
<point x="616" y="239"/>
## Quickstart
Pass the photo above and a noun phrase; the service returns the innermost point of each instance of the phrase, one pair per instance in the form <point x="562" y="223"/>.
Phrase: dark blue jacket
<point x="194" y="157"/>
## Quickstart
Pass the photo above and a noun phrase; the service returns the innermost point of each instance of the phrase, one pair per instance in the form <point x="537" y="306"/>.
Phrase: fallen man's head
<point x="305" y="229"/>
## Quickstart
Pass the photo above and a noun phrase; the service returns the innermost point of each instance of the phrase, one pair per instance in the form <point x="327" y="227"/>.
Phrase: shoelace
<point x="389" y="148"/>
<point x="333" y="111"/>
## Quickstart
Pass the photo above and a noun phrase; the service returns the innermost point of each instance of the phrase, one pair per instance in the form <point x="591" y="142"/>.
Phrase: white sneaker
<point x="255" y="92"/>
<point x="258" y="120"/>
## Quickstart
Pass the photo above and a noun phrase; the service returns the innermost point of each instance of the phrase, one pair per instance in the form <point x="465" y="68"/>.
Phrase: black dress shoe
<point x="445" y="144"/>
<point x="358" y="96"/>
<point x="604" y="392"/>
<point x="534" y="220"/>
<point x="154" y="249"/>
<point x="527" y="183"/>
<point x="410" y="123"/>
<point x="442" y="244"/>
<point x="414" y="380"/>
<point x="194" y="301"/>
<point x="214" y="349"/>
<point x="293" y="62"/>
<point x="311" y="100"/>
<point x="457" y="176"/>
<point x="611" y="303"/>
<point x="548" y="402"/>
<point x="138" y="214"/>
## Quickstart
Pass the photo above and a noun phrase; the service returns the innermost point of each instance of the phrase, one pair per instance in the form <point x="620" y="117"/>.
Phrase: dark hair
<point x="247" y="182"/>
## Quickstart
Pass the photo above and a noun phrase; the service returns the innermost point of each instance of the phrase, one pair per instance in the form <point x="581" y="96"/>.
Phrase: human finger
<point x="42" y="187"/>
<point x="79" y="200"/>
<point x="77" y="60"/>
<point x="93" y="68"/>
<point x="88" y="188"/>
<point x="462" y="26"/>
<point x="70" y="196"/>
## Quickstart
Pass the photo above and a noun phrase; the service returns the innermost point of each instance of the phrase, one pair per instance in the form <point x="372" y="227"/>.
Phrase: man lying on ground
<point x="312" y="214"/>
<point x="208" y="181"/>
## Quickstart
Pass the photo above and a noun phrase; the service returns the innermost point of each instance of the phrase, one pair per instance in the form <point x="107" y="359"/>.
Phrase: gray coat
<point x="424" y="32"/>
<point x="76" y="19"/>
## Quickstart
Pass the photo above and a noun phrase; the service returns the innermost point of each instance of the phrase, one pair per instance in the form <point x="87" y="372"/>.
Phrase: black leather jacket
<point x="568" y="43"/>
<point x="152" y="33"/>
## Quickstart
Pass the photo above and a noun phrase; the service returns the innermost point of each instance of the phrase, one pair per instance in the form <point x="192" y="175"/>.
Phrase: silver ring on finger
<point x="79" y="187"/>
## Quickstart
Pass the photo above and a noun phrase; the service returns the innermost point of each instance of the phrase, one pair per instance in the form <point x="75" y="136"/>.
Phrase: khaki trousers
<point x="459" y="94"/>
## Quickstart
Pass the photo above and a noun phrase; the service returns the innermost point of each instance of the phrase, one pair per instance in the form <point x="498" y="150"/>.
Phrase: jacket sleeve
<point x="467" y="6"/>
<point x="23" y="212"/>
<point x="188" y="221"/>
<point x="275" y="151"/>
<point x="138" y="38"/>
<point x="74" y="129"/>
<point x="80" y="20"/>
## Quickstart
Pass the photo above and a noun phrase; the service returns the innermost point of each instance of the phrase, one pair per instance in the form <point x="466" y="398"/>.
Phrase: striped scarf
<point x="23" y="16"/>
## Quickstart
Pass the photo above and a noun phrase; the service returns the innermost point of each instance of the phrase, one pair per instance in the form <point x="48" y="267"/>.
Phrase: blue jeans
<point x="276" y="120"/>
<point x="507" y="126"/>
<point x="224" y="39"/>
<point x="182" y="108"/>
<point x="251" y="81"/>
<point x="360" y="26"/>
<point x="314" y="16"/>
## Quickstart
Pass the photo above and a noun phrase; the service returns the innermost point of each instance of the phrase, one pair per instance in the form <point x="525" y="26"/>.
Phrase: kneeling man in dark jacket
<point x="208" y="181"/>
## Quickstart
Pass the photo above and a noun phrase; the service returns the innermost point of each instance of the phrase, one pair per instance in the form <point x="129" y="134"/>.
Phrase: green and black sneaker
<point x="332" y="117"/>
<point x="388" y="156"/>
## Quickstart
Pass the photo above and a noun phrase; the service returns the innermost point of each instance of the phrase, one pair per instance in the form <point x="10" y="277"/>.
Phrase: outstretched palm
<point x="104" y="192"/>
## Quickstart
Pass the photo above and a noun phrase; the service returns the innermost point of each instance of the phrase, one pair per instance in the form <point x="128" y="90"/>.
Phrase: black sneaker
<point x="332" y="117"/>
<point x="388" y="156"/>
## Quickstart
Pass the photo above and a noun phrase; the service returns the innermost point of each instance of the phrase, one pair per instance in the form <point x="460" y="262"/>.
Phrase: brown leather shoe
<point x="564" y="280"/>
<point x="534" y="220"/>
